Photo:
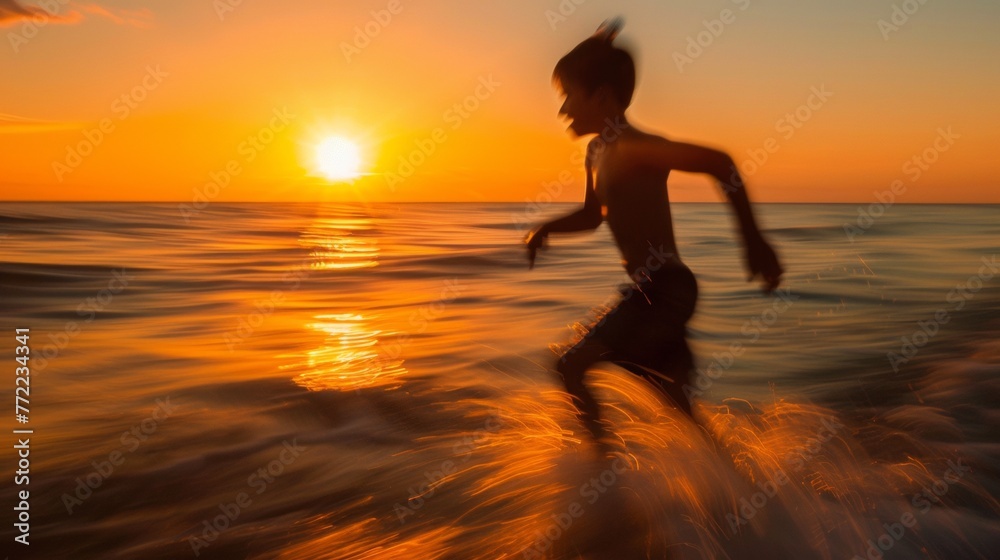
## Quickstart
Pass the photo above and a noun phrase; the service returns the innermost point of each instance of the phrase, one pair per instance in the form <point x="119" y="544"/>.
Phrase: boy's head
<point x="596" y="76"/>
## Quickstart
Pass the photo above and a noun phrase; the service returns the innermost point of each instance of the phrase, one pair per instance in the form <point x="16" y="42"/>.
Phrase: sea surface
<point x="331" y="381"/>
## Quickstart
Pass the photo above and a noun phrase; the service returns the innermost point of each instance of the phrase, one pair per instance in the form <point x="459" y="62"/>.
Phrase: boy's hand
<point x="762" y="261"/>
<point x="535" y="240"/>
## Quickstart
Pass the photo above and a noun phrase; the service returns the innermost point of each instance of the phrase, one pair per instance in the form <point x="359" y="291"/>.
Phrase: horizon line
<point x="753" y="203"/>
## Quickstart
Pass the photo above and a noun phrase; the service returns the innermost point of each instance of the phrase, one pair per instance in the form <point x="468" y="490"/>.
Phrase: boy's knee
<point x="567" y="371"/>
<point x="562" y="363"/>
<point x="571" y="372"/>
<point x="573" y="363"/>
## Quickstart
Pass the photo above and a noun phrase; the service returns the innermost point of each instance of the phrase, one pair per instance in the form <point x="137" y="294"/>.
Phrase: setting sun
<point x="338" y="158"/>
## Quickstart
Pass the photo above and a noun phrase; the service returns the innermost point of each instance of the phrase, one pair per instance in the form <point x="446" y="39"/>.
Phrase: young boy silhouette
<point x="645" y="331"/>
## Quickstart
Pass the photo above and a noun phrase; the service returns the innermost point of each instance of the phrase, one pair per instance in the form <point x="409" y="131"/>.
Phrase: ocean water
<point x="344" y="381"/>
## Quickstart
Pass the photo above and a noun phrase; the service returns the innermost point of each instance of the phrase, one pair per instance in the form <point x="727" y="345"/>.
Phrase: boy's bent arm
<point x="698" y="159"/>
<point x="761" y="258"/>
<point x="586" y="218"/>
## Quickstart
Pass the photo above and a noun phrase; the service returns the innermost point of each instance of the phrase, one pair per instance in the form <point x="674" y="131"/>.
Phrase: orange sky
<point x="228" y="100"/>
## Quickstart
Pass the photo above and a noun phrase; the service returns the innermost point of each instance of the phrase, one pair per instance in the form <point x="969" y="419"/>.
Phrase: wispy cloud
<point x="13" y="12"/>
<point x="136" y="18"/>
<point x="13" y="124"/>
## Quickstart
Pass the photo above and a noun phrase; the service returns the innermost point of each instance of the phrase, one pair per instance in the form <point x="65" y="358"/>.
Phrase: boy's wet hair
<point x="597" y="62"/>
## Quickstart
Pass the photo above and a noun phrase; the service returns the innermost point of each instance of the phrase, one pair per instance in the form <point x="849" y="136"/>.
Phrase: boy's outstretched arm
<point x="760" y="256"/>
<point x="586" y="218"/>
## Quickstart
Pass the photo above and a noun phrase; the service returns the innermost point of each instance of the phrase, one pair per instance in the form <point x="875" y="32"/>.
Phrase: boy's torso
<point x="633" y="191"/>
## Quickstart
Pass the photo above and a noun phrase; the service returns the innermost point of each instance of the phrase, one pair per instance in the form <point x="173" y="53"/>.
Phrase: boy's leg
<point x="673" y="360"/>
<point x="660" y="343"/>
<point x="680" y="371"/>
<point x="572" y="367"/>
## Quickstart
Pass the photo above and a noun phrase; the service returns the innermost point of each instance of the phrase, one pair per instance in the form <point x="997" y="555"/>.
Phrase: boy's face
<point x="586" y="111"/>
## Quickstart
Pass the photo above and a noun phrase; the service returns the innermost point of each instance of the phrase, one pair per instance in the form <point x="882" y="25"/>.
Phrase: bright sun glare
<point x="338" y="158"/>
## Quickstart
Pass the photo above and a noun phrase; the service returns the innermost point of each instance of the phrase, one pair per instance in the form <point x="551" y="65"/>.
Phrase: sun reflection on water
<point x="334" y="244"/>
<point x="353" y="353"/>
<point x="350" y="358"/>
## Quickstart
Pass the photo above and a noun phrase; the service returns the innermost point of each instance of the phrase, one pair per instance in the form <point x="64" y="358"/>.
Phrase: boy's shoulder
<point x="640" y="147"/>
<point x="630" y="139"/>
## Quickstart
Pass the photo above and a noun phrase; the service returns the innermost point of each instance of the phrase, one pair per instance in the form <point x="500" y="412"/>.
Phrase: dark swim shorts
<point x="646" y="329"/>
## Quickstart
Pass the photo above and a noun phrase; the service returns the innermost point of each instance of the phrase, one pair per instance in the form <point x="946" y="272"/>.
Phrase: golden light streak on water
<point x="335" y="243"/>
<point x="350" y="358"/>
<point x="352" y="355"/>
